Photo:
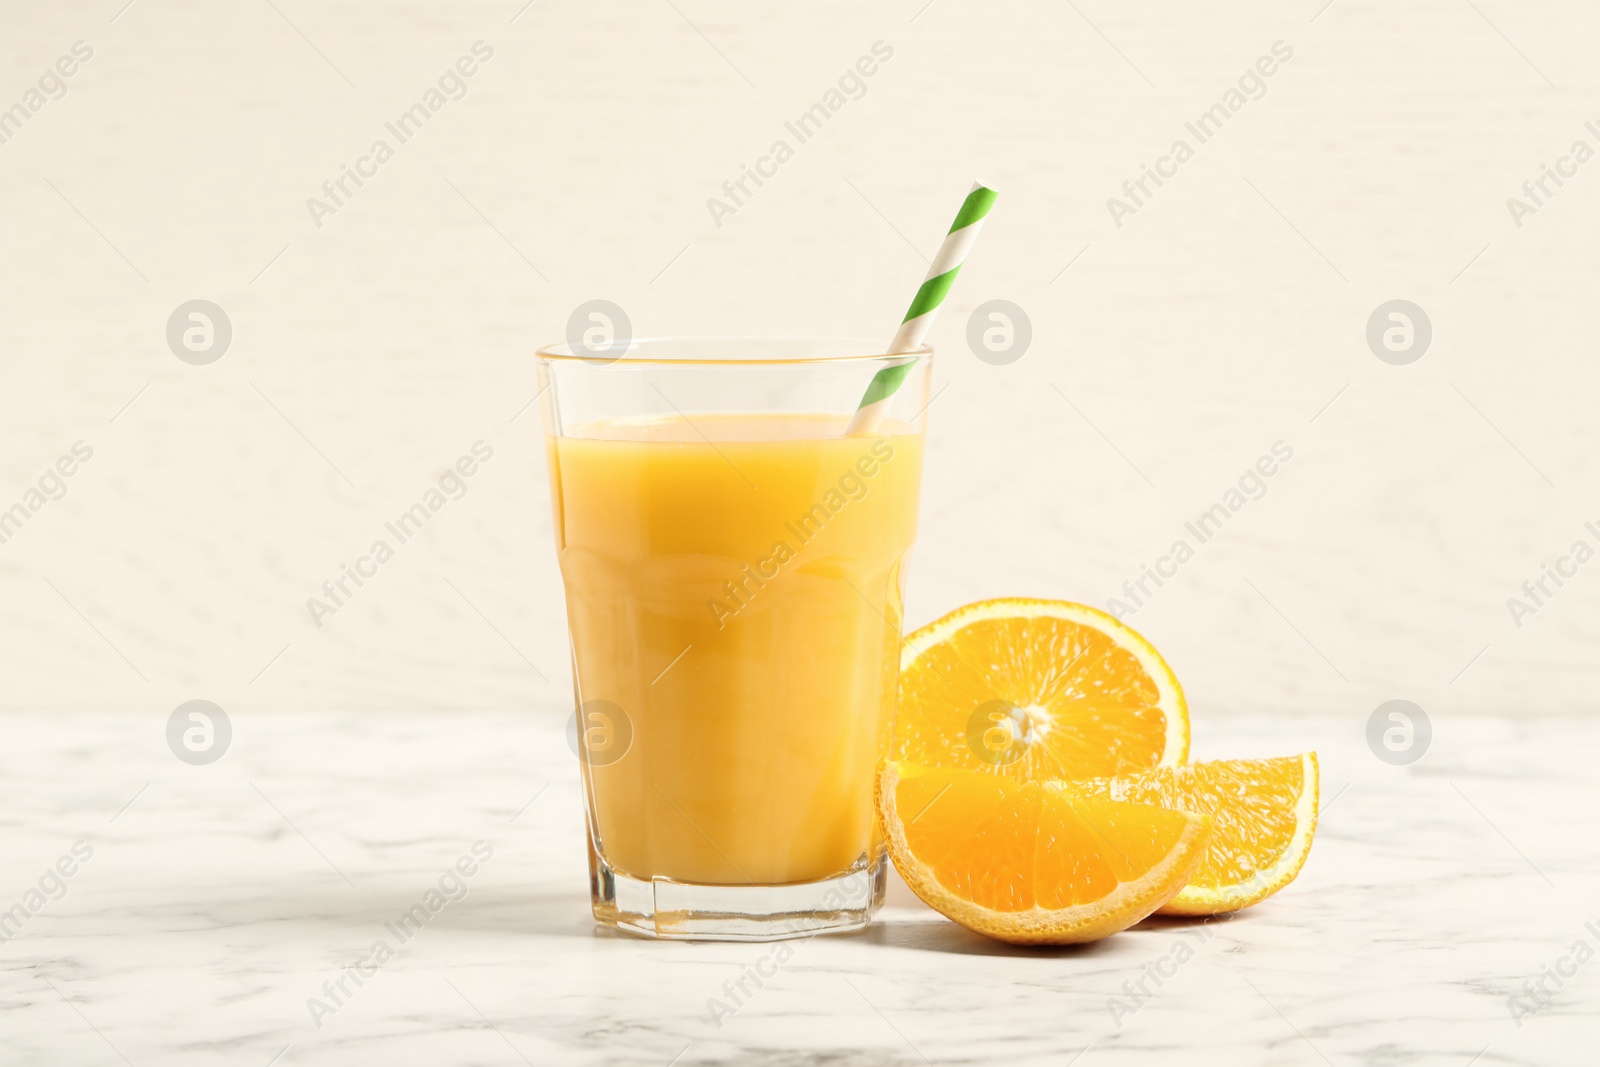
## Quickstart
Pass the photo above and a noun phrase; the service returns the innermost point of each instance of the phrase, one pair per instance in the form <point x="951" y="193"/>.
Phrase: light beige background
<point x="1228" y="314"/>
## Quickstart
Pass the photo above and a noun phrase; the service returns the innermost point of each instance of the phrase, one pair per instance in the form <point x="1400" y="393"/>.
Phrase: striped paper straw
<point x="919" y="317"/>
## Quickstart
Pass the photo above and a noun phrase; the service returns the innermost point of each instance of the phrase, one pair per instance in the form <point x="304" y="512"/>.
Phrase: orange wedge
<point x="1264" y="815"/>
<point x="1031" y="864"/>
<point x="1037" y="690"/>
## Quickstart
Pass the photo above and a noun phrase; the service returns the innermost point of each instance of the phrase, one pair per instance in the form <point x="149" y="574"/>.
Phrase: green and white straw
<point x="919" y="317"/>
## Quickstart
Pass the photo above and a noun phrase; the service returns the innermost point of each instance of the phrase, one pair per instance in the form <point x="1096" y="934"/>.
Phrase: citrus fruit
<point x="1037" y="690"/>
<point x="1031" y="864"/>
<point x="1264" y="814"/>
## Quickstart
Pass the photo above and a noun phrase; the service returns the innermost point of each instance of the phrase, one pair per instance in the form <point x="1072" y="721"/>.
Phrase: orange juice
<point x="734" y="586"/>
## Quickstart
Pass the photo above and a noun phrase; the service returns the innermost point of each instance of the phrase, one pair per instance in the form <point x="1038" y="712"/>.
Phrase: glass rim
<point x="858" y="350"/>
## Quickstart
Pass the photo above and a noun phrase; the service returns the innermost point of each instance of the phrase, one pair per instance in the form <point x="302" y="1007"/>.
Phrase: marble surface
<point x="219" y="899"/>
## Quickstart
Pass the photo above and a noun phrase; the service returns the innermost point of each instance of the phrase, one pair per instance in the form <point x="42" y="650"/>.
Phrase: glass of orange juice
<point x="734" y="565"/>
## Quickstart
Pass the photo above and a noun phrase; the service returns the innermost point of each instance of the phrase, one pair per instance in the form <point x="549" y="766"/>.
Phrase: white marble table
<point x="219" y="899"/>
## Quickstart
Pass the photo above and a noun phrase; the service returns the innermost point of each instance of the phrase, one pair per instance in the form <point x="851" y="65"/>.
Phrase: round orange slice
<point x="1264" y="815"/>
<point x="1028" y="863"/>
<point x="1037" y="690"/>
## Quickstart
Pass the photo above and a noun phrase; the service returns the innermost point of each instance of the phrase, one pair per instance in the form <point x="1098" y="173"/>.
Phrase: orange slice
<point x="1264" y="815"/>
<point x="1037" y="690"/>
<point x="1030" y="864"/>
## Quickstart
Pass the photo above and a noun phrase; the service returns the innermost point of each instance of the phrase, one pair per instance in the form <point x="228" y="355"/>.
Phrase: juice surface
<point x="734" y="585"/>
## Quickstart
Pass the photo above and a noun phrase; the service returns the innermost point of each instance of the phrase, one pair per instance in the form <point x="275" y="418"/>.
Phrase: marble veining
<point x="221" y="907"/>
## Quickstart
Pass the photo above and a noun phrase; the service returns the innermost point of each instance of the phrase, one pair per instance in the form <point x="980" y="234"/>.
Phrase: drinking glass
<point x="734" y="567"/>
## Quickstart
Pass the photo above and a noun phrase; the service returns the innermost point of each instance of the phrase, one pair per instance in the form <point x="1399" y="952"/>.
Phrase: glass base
<point x="678" y="911"/>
